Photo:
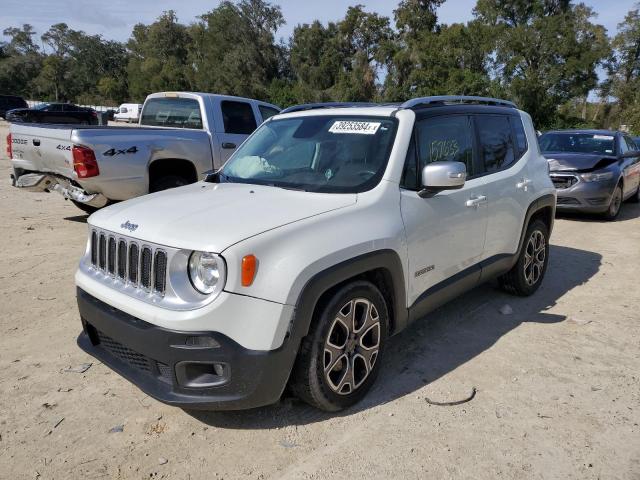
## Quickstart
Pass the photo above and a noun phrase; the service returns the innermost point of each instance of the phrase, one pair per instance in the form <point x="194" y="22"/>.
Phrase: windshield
<point x="577" y="143"/>
<point x="331" y="154"/>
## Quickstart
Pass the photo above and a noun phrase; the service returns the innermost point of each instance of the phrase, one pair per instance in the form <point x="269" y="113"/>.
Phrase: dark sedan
<point x="594" y="171"/>
<point x="54" y="113"/>
<point x="9" y="102"/>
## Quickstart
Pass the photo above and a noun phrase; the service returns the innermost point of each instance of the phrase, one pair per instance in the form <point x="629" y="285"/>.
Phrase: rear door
<point x="238" y="122"/>
<point x="503" y="159"/>
<point x="445" y="233"/>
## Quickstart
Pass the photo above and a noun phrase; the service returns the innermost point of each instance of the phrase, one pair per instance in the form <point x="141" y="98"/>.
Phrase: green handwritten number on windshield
<point x="443" y="149"/>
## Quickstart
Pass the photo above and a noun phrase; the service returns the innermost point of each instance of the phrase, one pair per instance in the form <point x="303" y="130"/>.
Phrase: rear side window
<point x="631" y="145"/>
<point x="267" y="112"/>
<point x="496" y="143"/>
<point x="172" y="112"/>
<point x="238" y="117"/>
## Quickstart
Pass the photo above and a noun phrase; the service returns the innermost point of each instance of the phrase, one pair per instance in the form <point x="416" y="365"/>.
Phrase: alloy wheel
<point x="352" y="346"/>
<point x="534" y="257"/>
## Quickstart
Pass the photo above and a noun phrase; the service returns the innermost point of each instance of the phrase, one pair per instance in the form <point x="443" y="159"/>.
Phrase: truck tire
<point x="88" y="209"/>
<point x="340" y="358"/>
<point x="167" y="182"/>
<point x="526" y="275"/>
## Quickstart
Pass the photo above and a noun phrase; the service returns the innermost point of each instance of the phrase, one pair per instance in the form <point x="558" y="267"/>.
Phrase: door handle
<point x="228" y="145"/>
<point x="524" y="183"/>
<point x="476" y="201"/>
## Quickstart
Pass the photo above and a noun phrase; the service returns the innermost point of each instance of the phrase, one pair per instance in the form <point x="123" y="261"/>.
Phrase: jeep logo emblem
<point x="129" y="226"/>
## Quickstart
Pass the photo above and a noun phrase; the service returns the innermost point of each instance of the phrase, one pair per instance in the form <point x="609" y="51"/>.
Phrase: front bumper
<point x="588" y="197"/>
<point x="193" y="370"/>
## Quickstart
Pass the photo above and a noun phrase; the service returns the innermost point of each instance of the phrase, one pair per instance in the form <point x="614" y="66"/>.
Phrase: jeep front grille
<point x="142" y="267"/>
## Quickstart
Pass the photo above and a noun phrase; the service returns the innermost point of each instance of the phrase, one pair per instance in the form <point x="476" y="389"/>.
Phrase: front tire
<point x="526" y="275"/>
<point x="340" y="358"/>
<point x="615" y="205"/>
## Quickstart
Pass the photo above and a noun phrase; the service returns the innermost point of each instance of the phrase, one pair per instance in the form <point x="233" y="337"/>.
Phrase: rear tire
<point x="88" y="209"/>
<point x="167" y="182"/>
<point x="615" y="205"/>
<point x="527" y="274"/>
<point x="340" y="358"/>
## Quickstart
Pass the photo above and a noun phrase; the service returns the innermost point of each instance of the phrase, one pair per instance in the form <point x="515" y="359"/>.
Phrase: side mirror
<point x="439" y="176"/>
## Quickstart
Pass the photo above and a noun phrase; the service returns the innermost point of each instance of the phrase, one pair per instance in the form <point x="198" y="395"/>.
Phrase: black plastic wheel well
<point x="172" y="166"/>
<point x="545" y="214"/>
<point x="380" y="277"/>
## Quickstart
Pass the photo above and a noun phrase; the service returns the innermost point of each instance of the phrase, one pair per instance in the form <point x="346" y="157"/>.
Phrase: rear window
<point x="172" y="112"/>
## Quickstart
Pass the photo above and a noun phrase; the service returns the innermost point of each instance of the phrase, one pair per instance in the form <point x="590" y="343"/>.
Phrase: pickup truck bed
<point x="94" y="166"/>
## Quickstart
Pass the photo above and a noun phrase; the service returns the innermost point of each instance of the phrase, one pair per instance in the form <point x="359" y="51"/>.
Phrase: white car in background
<point x="128" y="112"/>
<point x="328" y="230"/>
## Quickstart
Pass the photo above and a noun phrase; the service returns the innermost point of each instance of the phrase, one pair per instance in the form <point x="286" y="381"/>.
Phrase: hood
<point x="213" y="216"/>
<point x="577" y="162"/>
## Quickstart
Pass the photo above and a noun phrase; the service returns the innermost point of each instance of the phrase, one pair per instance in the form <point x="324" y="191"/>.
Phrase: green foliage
<point x="546" y="52"/>
<point x="543" y="54"/>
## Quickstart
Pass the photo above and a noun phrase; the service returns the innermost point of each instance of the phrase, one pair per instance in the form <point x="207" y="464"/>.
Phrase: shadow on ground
<point x="77" y="218"/>
<point x="434" y="346"/>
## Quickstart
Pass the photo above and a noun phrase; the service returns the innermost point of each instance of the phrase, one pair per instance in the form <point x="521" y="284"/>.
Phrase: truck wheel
<point x="167" y="182"/>
<point x="340" y="358"/>
<point x="615" y="204"/>
<point x="88" y="209"/>
<point x="526" y="275"/>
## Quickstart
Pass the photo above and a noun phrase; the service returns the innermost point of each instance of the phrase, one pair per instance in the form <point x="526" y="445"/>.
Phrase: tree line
<point x="543" y="54"/>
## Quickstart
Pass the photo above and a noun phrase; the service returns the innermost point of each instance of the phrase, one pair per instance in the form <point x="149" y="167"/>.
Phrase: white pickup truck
<point x="185" y="135"/>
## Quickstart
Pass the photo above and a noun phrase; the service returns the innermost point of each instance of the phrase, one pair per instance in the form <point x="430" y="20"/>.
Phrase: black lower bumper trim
<point x="147" y="356"/>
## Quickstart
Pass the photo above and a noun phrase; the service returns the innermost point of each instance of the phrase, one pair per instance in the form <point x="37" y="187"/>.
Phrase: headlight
<point x="596" y="177"/>
<point x="206" y="272"/>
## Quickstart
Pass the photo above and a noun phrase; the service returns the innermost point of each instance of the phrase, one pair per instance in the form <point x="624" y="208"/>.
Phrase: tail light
<point x="9" y="148"/>
<point x="84" y="162"/>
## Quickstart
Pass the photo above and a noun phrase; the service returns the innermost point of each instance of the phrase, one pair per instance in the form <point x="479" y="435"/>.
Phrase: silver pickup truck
<point x="182" y="136"/>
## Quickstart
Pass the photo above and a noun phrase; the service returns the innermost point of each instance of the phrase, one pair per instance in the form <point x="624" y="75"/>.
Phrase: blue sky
<point x="115" y="19"/>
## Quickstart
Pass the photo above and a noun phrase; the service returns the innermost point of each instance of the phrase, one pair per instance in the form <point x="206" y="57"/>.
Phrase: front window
<point x="571" y="142"/>
<point x="172" y="112"/>
<point x="331" y="154"/>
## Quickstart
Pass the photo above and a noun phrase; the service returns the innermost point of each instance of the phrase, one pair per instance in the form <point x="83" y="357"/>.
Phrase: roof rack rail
<point x="424" y="101"/>
<point x="315" y="106"/>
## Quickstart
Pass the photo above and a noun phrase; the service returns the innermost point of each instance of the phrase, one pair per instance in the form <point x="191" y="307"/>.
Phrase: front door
<point x="446" y="232"/>
<point x="239" y="122"/>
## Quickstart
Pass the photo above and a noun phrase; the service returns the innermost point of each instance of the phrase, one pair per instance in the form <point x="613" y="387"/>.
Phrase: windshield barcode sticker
<point x="362" y="128"/>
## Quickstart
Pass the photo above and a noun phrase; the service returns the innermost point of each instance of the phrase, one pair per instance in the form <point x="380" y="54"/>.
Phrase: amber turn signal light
<point x="249" y="263"/>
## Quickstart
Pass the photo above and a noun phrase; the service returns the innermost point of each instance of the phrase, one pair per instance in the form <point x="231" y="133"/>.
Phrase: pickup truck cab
<point x="333" y="228"/>
<point x="182" y="135"/>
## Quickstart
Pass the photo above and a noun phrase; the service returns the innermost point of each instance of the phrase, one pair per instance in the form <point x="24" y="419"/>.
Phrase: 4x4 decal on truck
<point x="112" y="151"/>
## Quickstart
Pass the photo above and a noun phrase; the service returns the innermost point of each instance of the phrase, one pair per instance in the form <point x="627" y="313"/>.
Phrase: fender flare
<point x="545" y="201"/>
<point x="387" y="260"/>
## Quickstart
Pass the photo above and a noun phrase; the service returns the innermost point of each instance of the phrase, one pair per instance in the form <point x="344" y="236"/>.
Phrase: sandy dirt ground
<point x="558" y="380"/>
